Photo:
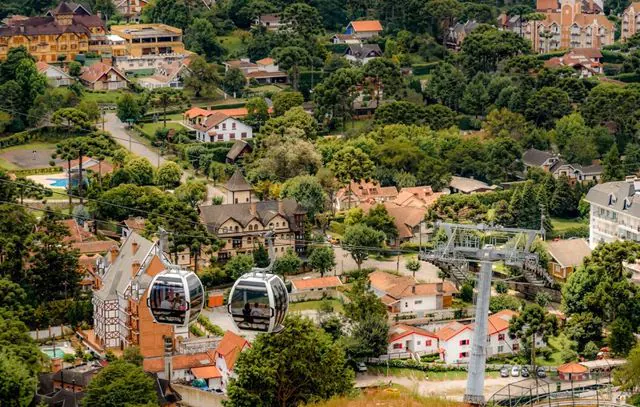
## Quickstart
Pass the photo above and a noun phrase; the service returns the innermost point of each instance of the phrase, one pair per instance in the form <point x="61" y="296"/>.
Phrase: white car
<point x="515" y="371"/>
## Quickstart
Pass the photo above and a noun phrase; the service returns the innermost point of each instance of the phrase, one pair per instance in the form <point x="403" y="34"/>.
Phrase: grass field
<point x="22" y="156"/>
<point x="108" y="97"/>
<point x="233" y="43"/>
<point x="420" y="375"/>
<point x="560" y="225"/>
<point x="314" y="305"/>
<point x="389" y="397"/>
<point x="557" y="344"/>
<point x="150" y="128"/>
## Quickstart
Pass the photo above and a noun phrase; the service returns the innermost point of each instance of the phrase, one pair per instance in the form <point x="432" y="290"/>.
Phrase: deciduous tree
<point x="120" y="383"/>
<point x="322" y="259"/>
<point x="360" y="239"/>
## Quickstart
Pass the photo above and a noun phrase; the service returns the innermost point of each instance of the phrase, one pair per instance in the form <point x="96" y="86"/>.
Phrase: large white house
<point x="55" y="75"/>
<point x="407" y="338"/>
<point x="615" y="212"/>
<point x="212" y="126"/>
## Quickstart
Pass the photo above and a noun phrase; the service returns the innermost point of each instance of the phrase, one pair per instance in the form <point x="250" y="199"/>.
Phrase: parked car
<point x="524" y="372"/>
<point x="541" y="373"/>
<point x="515" y="371"/>
<point x="361" y="367"/>
<point x="504" y="371"/>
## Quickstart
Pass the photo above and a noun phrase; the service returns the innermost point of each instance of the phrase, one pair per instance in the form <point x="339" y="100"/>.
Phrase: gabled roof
<point x="230" y="348"/>
<point x="215" y="215"/>
<point x="404" y="218"/>
<point x="363" y="50"/>
<point x="535" y="158"/>
<point x="238" y="147"/>
<point x="206" y="372"/>
<point x="238" y="182"/>
<point x="468" y="185"/>
<point x="405" y="286"/>
<point x="265" y="61"/>
<point x="212" y="120"/>
<point x="587" y="52"/>
<point x="135" y="224"/>
<point x="572" y="367"/>
<point x="42" y="67"/>
<point x="197" y="111"/>
<point x="399" y="331"/>
<point x="77" y="233"/>
<point x="100" y="246"/>
<point x="98" y="70"/>
<point x="450" y="330"/>
<point x="316" y="283"/>
<point x="367" y="189"/>
<point x="366" y="25"/>
<point x="424" y="196"/>
<point x="569" y="252"/>
<point x="499" y="321"/>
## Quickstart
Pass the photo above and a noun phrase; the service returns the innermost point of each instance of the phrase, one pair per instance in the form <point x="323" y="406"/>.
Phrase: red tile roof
<point x="97" y="247"/>
<point x="572" y="367"/>
<point x="230" y="347"/>
<point x="401" y="330"/>
<point x="197" y="111"/>
<point x="97" y="71"/>
<point x="367" y="25"/>
<point x="180" y="362"/>
<point x="207" y="372"/>
<point x="265" y="61"/>
<point x="315" y="283"/>
<point x="77" y="234"/>
<point x="404" y="286"/>
<point x="450" y="330"/>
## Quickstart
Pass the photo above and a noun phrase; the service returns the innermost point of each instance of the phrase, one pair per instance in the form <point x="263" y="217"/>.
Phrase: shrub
<point x="209" y="326"/>
<point x="195" y="330"/>
<point x="424" y="69"/>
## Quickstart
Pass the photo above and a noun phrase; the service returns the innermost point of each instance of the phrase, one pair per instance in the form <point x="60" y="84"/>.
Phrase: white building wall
<point x="418" y="304"/>
<point x="414" y="343"/>
<point x="607" y="225"/>
<point x="453" y="348"/>
<point x="225" y="131"/>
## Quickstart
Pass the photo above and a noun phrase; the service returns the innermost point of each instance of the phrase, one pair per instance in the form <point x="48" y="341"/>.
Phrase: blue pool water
<point x="58" y="182"/>
<point x="58" y="353"/>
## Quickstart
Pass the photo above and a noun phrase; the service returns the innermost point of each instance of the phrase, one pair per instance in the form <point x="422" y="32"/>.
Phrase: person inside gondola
<point x="178" y="303"/>
<point x="257" y="314"/>
<point x="165" y="304"/>
<point x="246" y="312"/>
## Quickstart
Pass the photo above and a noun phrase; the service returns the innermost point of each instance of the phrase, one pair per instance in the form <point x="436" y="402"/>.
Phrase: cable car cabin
<point x="175" y="297"/>
<point x="259" y="302"/>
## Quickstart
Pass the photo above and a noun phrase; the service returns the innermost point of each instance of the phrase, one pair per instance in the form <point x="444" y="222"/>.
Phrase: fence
<point x="302" y="296"/>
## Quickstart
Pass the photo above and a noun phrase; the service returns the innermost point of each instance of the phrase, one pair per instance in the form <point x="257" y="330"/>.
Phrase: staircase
<point x="536" y="274"/>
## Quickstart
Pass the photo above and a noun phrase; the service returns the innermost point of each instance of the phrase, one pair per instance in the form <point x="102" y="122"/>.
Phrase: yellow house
<point x="62" y="34"/>
<point x="566" y="255"/>
<point x="150" y="39"/>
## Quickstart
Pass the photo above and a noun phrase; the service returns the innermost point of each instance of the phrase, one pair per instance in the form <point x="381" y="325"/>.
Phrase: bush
<point x="501" y="287"/>
<point x="424" y="69"/>
<point x="337" y="48"/>
<point x="337" y="227"/>
<point x="195" y="330"/>
<point x="37" y="171"/>
<point x="545" y="353"/>
<point x="628" y="77"/>
<point x="69" y="358"/>
<point x="612" y="57"/>
<point x="209" y="326"/>
<point x="466" y="292"/>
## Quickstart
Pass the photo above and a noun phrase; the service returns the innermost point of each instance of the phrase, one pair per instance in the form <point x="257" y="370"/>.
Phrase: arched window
<point x="224" y="229"/>
<point x="237" y="228"/>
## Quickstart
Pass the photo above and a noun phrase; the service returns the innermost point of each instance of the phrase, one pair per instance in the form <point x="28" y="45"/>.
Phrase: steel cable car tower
<point x="484" y="245"/>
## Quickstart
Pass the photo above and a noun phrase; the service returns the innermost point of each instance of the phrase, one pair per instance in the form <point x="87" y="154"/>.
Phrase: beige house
<point x="101" y="76"/>
<point x="569" y="24"/>
<point x="239" y="190"/>
<point x="363" y="191"/>
<point x="630" y="20"/>
<point x="566" y="255"/>
<point x="409" y="221"/>
<point x="241" y="226"/>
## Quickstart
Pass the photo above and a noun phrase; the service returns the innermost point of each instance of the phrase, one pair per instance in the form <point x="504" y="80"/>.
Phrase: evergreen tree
<point x="612" y="168"/>
<point x="524" y="206"/>
<point x="631" y="158"/>
<point x="261" y="256"/>
<point x="563" y="202"/>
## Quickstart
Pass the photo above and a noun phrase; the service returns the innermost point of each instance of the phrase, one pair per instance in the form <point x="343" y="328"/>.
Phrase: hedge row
<point x="40" y="134"/>
<point x="613" y="57"/>
<point x="425" y="367"/>
<point x="195" y="330"/>
<point x="37" y="171"/>
<point x="209" y="326"/>
<point x="549" y="55"/>
<point x="578" y="231"/>
<point x="630" y="77"/>
<point x="424" y="69"/>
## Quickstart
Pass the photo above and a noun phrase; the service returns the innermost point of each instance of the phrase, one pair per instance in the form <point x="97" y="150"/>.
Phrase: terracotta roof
<point x="180" y="362"/>
<point x="384" y="281"/>
<point x="368" y="189"/>
<point x="42" y="66"/>
<point x="206" y="372"/>
<point x="197" y="111"/>
<point x="238" y="182"/>
<point x="230" y="347"/>
<point x="569" y="252"/>
<point x="414" y="196"/>
<point x="264" y="211"/>
<point x="404" y="218"/>
<point x="265" y="61"/>
<point x="77" y="233"/>
<point x="211" y="121"/>
<point x="499" y="321"/>
<point x="450" y="330"/>
<point x="136" y="224"/>
<point x="97" y="71"/>
<point x="239" y="63"/>
<point x="47" y="25"/>
<point x="320" y="282"/>
<point x="401" y="330"/>
<point x="388" y="300"/>
<point x="572" y="367"/>
<point x="404" y="286"/>
<point x="100" y="246"/>
<point x="587" y="52"/>
<point x="266" y="74"/>
<point x="366" y="25"/>
<point x="543" y="5"/>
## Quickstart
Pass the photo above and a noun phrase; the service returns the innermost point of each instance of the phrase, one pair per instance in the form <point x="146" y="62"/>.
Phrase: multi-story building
<point x="241" y="226"/>
<point x="121" y="317"/>
<point x="61" y="35"/>
<point x="212" y="126"/>
<point x="568" y="24"/>
<point x="630" y="23"/>
<point x="615" y="212"/>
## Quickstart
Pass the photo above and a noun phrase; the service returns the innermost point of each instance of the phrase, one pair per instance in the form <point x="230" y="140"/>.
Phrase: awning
<point x="206" y="372"/>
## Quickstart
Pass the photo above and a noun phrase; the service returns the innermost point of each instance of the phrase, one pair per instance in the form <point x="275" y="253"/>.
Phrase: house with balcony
<point x="569" y="24"/>
<point x="241" y="227"/>
<point x="614" y="212"/>
<point x="585" y="62"/>
<point x="213" y="126"/>
<point x="630" y="22"/>
<point x="60" y="35"/>
<point x="554" y="164"/>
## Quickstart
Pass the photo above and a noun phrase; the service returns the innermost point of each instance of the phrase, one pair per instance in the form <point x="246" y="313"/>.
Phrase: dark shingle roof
<point x="363" y="50"/>
<point x="215" y="215"/>
<point x="535" y="158"/>
<point x="237" y="182"/>
<point x="237" y="149"/>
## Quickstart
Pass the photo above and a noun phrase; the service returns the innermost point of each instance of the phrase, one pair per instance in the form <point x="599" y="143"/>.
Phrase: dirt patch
<point x="29" y="158"/>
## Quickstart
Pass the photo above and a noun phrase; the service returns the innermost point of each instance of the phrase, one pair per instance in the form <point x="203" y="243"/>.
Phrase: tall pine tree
<point x="613" y="169"/>
<point x="563" y="202"/>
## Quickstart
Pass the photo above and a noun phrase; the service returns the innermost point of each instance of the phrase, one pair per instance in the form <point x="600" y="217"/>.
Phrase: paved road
<point x="118" y="131"/>
<point x="428" y="272"/>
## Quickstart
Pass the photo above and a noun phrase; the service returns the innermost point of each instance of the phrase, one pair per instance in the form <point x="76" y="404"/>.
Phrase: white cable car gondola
<point x="176" y="297"/>
<point x="259" y="300"/>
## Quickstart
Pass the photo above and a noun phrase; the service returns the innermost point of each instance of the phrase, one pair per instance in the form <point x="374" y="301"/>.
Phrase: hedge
<point x="612" y="57"/>
<point x="424" y="69"/>
<point x="549" y="55"/>
<point x="195" y="330"/>
<point x="577" y="231"/>
<point x="37" y="171"/>
<point x="612" y="69"/>
<point x="425" y="367"/>
<point x="39" y="134"/>
<point x="628" y="77"/>
<point x="209" y="326"/>
<point x="228" y="106"/>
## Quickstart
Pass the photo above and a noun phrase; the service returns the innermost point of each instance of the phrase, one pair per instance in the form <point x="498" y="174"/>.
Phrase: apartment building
<point x="615" y="212"/>
<point x="567" y="24"/>
<point x="630" y="23"/>
<point x="60" y="35"/>
<point x="241" y="226"/>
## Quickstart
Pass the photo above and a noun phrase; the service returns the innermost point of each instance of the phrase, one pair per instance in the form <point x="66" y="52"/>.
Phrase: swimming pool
<point x="53" y="353"/>
<point x="58" y="182"/>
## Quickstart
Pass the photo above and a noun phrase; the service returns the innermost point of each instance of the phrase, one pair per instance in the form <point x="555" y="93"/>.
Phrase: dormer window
<point x="627" y="203"/>
<point x="612" y="199"/>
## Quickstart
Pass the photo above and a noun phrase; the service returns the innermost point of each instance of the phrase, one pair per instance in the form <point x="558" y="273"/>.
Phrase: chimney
<point x="413" y="289"/>
<point x="113" y="254"/>
<point x="134" y="247"/>
<point x="56" y="365"/>
<point x="135" y="266"/>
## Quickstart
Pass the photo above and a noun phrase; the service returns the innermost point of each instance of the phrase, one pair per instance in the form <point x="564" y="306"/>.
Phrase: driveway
<point x="118" y="131"/>
<point x="428" y="273"/>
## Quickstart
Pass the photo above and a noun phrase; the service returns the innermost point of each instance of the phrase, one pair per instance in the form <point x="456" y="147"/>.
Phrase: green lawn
<point x="266" y="88"/>
<point x="314" y="305"/>
<point x="560" y="225"/>
<point x="557" y="344"/>
<point x="420" y="375"/>
<point x="233" y="43"/>
<point x="107" y="97"/>
<point x="150" y="128"/>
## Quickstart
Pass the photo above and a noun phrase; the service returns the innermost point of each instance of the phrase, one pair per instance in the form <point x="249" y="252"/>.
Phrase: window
<point x="501" y="337"/>
<point x="224" y="229"/>
<point x="464" y="355"/>
<point x="464" y="342"/>
<point x="427" y="343"/>
<point x="417" y="302"/>
<point x="419" y="342"/>
<point x="243" y="134"/>
<point x="406" y="304"/>
<point x="232" y="136"/>
<point x="500" y="349"/>
<point x="233" y="126"/>
<point x="397" y="346"/>
<point x="224" y="126"/>
<point x="220" y="137"/>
